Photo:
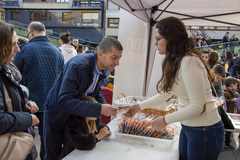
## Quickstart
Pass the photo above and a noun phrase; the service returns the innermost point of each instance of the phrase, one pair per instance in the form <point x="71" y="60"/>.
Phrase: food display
<point x="140" y="125"/>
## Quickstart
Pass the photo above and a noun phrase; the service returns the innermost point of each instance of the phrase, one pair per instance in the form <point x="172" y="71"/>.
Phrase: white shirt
<point x="68" y="52"/>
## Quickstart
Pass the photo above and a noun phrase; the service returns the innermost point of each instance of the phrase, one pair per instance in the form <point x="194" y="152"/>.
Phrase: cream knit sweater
<point x="193" y="90"/>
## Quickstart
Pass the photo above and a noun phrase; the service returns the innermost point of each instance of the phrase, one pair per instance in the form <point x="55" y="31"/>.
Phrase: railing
<point x="9" y="3"/>
<point x="221" y="47"/>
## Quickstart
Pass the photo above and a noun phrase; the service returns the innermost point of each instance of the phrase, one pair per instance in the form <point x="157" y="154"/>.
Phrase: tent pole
<point x="203" y="17"/>
<point x="152" y="23"/>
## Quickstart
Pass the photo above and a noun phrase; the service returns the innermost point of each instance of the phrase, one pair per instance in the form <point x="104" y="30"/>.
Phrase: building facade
<point x="112" y="20"/>
<point x="84" y="19"/>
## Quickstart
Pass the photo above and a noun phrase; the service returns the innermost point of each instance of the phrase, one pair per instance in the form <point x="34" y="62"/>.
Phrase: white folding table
<point x="114" y="149"/>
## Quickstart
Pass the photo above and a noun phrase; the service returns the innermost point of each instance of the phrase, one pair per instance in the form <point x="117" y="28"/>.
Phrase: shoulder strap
<point x="217" y="95"/>
<point x="7" y="99"/>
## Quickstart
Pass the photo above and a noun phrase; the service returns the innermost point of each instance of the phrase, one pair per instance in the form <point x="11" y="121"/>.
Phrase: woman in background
<point x="213" y="58"/>
<point x="68" y="51"/>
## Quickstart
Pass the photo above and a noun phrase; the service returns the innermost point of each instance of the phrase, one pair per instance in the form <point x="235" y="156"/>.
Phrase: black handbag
<point x="225" y="119"/>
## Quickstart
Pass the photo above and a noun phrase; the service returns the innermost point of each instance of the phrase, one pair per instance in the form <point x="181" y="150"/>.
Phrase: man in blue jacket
<point x="39" y="63"/>
<point x="81" y="75"/>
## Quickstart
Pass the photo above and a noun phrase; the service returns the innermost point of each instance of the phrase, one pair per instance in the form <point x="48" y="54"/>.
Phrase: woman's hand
<point x="132" y="110"/>
<point x="35" y="120"/>
<point x="31" y="107"/>
<point x="158" y="123"/>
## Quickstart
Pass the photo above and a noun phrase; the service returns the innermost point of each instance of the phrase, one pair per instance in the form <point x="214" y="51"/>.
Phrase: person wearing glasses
<point x="185" y="75"/>
<point x="39" y="62"/>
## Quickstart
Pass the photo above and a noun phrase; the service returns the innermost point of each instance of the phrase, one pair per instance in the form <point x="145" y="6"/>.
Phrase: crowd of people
<point x="227" y="42"/>
<point x="226" y="70"/>
<point x="60" y="90"/>
<point x="56" y="83"/>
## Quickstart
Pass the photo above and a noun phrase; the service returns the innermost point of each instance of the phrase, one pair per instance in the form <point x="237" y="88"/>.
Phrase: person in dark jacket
<point x="83" y="133"/>
<point x="22" y="117"/>
<point x="81" y="75"/>
<point x="231" y="87"/>
<point x="235" y="69"/>
<point x="225" y="39"/>
<point x="229" y="60"/>
<point x="39" y="63"/>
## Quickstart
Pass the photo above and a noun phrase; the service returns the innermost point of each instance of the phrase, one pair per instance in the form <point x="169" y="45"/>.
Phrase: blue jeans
<point x="201" y="143"/>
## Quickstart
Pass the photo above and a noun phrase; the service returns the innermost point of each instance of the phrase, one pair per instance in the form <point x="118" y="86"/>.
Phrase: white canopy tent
<point x="140" y="66"/>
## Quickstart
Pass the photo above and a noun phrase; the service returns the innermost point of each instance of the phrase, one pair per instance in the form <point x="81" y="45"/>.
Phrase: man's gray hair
<point x="36" y="26"/>
<point x="107" y="43"/>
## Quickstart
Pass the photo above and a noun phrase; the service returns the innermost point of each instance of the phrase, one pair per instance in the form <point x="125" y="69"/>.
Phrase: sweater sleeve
<point x="155" y="100"/>
<point x="194" y="77"/>
<point x="14" y="121"/>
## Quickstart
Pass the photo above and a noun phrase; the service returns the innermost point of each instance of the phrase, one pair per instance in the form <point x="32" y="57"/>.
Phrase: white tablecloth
<point x="235" y="118"/>
<point x="114" y="149"/>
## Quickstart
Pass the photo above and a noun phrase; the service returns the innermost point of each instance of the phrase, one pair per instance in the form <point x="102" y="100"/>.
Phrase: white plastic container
<point x="142" y="140"/>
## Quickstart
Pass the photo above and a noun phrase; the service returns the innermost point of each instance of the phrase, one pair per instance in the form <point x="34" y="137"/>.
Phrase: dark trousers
<point x="53" y="137"/>
<point x="227" y="138"/>
<point x="40" y="131"/>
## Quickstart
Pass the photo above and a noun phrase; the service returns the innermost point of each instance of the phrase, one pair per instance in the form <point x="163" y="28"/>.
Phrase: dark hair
<point x="178" y="45"/>
<point x="107" y="43"/>
<point x="36" y="26"/>
<point x="219" y="69"/>
<point x="65" y="37"/>
<point x="21" y="41"/>
<point x="205" y="51"/>
<point x="213" y="58"/>
<point x="79" y="48"/>
<point x="231" y="80"/>
<point x="229" y="54"/>
<point x="88" y="99"/>
<point x="6" y="33"/>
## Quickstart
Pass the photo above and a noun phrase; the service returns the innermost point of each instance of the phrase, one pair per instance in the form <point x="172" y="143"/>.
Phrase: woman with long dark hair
<point x="186" y="76"/>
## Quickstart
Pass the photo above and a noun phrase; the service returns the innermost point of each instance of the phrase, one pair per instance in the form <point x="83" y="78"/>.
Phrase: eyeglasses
<point x="28" y="34"/>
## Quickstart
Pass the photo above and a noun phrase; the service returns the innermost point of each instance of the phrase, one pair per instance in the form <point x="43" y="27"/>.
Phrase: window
<point x="222" y="28"/>
<point x="209" y="28"/>
<point x="40" y="16"/>
<point x="15" y="16"/>
<point x="90" y="17"/>
<point x="62" y="0"/>
<point x="113" y="23"/>
<point x="67" y="16"/>
<point x="194" y="27"/>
